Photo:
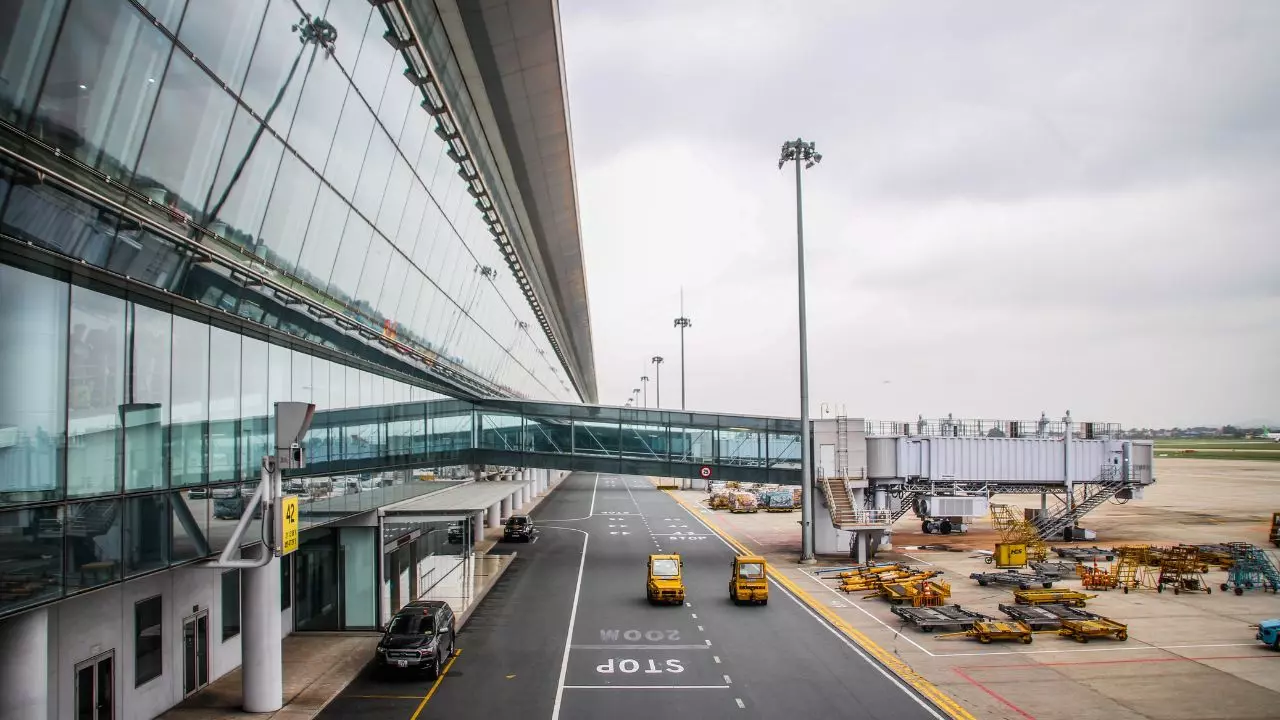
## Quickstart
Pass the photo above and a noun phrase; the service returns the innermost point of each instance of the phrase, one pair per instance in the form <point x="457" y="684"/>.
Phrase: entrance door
<point x="195" y="653"/>
<point x="95" y="686"/>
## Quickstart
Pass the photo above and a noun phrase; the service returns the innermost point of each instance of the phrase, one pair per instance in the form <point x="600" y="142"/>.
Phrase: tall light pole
<point x="635" y="395"/>
<point x="804" y="155"/>
<point x="682" y="322"/>
<point x="644" y="380"/>
<point x="657" y="381"/>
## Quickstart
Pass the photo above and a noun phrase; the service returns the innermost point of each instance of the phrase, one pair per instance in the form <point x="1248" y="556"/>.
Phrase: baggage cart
<point x="1024" y="581"/>
<point x="1084" y="630"/>
<point x="943" y="617"/>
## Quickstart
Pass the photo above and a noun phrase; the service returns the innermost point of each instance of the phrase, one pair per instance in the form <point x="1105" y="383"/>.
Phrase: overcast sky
<point x="1022" y="206"/>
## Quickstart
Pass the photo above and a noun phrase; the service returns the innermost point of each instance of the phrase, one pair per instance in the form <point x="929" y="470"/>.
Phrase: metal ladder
<point x="842" y="446"/>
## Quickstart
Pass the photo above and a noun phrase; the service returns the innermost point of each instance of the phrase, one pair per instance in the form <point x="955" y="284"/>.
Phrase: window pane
<point x="33" y="556"/>
<point x="167" y="12"/>
<point x="371" y="69"/>
<point x="102" y="84"/>
<point x="245" y="178"/>
<point x="319" y="110"/>
<point x="375" y="271"/>
<point x="397" y="98"/>
<point x="93" y="544"/>
<point x="388" y="295"/>
<point x="350" y="146"/>
<point x="278" y="69"/>
<point x="188" y="433"/>
<point x="374" y="174"/>
<point x="185" y="140"/>
<point x="287" y="213"/>
<point x="286" y="582"/>
<point x="224" y="404"/>
<point x="27" y="29"/>
<point x="190" y="525"/>
<point x="300" y="372"/>
<point x="148" y="640"/>
<point x="32" y="385"/>
<point x="351" y="256"/>
<point x="95" y="390"/>
<point x="315" y="265"/>
<point x="254" y="442"/>
<point x="147" y="415"/>
<point x="230" y="604"/>
<point x="222" y="35"/>
<point x="393" y="200"/>
<point x="279" y="388"/>
<point x="146" y="533"/>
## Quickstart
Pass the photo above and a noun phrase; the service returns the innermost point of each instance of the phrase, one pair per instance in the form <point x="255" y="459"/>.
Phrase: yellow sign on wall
<point x="288" y="524"/>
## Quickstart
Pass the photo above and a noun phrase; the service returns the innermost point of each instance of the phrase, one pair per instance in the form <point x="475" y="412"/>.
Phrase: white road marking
<point x="700" y="629"/>
<point x="640" y="647"/>
<point x="708" y="643"/>
<point x="695" y="615"/>
<point x="646" y="687"/>
<point x="573" y="616"/>
<point x="727" y="681"/>
<point x="740" y="703"/>
<point x="716" y="658"/>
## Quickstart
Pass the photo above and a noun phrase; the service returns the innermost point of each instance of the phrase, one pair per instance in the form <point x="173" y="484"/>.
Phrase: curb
<point x="894" y="665"/>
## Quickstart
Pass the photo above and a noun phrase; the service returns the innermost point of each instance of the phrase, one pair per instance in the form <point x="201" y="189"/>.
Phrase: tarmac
<point x="1191" y="655"/>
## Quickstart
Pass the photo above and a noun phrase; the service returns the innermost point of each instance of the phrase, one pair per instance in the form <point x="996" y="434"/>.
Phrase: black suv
<point x="519" y="527"/>
<point x="420" y="636"/>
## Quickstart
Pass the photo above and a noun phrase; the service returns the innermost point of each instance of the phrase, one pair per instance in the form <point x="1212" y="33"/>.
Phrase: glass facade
<point x="297" y="147"/>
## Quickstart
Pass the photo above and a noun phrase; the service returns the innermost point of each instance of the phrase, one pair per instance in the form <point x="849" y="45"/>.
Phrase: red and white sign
<point x="705" y="471"/>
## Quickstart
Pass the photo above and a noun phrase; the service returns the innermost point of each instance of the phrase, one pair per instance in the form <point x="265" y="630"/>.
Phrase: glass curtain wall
<point x="343" y="191"/>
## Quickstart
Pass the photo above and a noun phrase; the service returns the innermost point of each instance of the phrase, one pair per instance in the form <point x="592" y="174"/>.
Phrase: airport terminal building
<point x="208" y="208"/>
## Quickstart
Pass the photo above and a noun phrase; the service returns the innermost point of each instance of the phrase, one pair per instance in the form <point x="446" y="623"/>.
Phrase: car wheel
<point x="435" y="667"/>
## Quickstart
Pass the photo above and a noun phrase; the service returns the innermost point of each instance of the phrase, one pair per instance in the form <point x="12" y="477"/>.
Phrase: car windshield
<point x="517" y="521"/>
<point x="666" y="568"/>
<point x="411" y="625"/>
<point x="751" y="571"/>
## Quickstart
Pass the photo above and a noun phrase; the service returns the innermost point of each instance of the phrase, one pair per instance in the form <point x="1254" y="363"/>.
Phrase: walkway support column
<point x="507" y="506"/>
<point x="495" y="519"/>
<point x="261" y="649"/>
<point x="477" y="527"/>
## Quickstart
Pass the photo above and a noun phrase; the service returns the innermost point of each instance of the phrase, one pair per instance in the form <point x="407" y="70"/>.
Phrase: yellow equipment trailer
<point x="1082" y="630"/>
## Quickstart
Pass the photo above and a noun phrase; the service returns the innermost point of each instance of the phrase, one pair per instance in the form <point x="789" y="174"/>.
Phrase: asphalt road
<point x="628" y="659"/>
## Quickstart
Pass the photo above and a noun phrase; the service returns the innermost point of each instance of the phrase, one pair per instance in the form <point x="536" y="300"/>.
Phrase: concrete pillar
<point x="260" y="640"/>
<point x="479" y="474"/>
<point x="506" y="506"/>
<point x="477" y="528"/>
<point x="24" y="665"/>
<point x="495" y="517"/>
<point x="517" y="499"/>
<point x="862" y="539"/>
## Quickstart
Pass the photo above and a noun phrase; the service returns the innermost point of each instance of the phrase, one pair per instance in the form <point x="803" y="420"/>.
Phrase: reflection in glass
<point x="32" y="568"/>
<point x="288" y="211"/>
<point x="350" y="146"/>
<point x="238" y="197"/>
<point x="102" y="84"/>
<point x="32" y="385"/>
<point x="92" y="544"/>
<point x="374" y="273"/>
<point x="147" y="414"/>
<point x="189" y="524"/>
<point x="95" y="390"/>
<point x="374" y="173"/>
<point x="27" y="29"/>
<point x="351" y="256"/>
<point x="315" y="266"/>
<point x="146" y="533"/>
<point x="224" y="404"/>
<point x="312" y="134"/>
<point x="254" y="407"/>
<point x="222" y="35"/>
<point x="279" y="66"/>
<point x="188" y="433"/>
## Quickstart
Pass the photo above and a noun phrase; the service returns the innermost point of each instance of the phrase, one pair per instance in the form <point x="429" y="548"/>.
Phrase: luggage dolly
<point x="1083" y="630"/>
<point x="986" y="630"/>
<point x="1012" y="577"/>
<point x="943" y="617"/>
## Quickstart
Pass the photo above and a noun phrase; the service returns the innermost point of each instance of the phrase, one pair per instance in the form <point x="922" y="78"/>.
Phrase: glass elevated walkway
<point x="545" y="435"/>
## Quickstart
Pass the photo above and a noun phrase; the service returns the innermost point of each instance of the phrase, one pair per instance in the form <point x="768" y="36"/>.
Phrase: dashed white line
<point x="700" y="629"/>
<point x="727" y="681"/>
<point x="716" y="658"/>
<point x="708" y="643"/>
<point x="695" y="615"/>
<point x="740" y="703"/>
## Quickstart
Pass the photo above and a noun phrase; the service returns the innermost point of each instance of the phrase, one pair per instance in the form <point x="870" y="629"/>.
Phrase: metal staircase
<point x="1085" y="499"/>
<point x="842" y="446"/>
<point x="839" y="504"/>
<point x="908" y="501"/>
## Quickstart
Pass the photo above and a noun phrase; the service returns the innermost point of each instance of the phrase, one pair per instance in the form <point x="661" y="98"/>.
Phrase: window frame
<point x="138" y="679"/>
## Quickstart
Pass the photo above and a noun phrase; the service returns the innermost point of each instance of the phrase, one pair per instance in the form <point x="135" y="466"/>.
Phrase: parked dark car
<point x="457" y="534"/>
<point x="420" y="636"/>
<point x="519" y="527"/>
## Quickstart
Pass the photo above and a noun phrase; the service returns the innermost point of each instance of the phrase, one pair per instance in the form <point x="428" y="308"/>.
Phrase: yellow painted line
<point x="888" y="659"/>
<point x="398" y="697"/>
<point x="444" y="671"/>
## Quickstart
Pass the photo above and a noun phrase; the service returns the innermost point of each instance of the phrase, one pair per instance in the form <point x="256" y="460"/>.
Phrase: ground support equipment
<point x="1012" y="577"/>
<point x="1044" y="617"/>
<point x="1083" y="630"/>
<point x="984" y="631"/>
<point x="1055" y="570"/>
<point x="1056" y="595"/>
<point x="1251" y="569"/>
<point x="943" y="617"/>
<point x="1080" y="554"/>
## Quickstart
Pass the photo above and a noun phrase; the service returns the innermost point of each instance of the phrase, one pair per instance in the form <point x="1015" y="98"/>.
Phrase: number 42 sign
<point x="288" y="524"/>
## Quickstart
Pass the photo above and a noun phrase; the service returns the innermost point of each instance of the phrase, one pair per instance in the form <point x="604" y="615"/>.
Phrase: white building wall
<point x="89" y="625"/>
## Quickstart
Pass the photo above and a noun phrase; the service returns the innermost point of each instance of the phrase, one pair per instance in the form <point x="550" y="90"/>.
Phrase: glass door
<point x="195" y="653"/>
<point x="95" y="686"/>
